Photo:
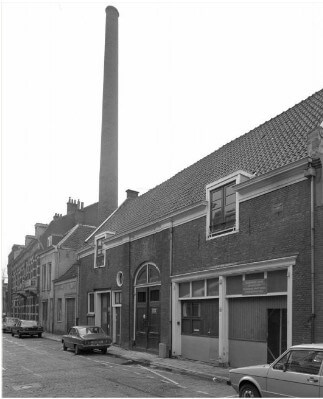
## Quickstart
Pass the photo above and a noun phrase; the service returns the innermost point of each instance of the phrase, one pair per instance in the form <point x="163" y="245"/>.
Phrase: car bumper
<point x="91" y="347"/>
<point x="35" y="332"/>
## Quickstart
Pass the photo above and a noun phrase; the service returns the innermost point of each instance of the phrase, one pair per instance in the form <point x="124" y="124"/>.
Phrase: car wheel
<point x="248" y="391"/>
<point x="77" y="350"/>
<point x="104" y="351"/>
<point x="12" y="334"/>
<point x="64" y="347"/>
<point x="19" y="335"/>
<point x="39" y="335"/>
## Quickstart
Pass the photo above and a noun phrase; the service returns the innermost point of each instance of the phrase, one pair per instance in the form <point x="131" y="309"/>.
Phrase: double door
<point x="148" y="318"/>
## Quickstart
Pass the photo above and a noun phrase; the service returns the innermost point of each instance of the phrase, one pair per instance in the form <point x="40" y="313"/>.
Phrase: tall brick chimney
<point x="108" y="185"/>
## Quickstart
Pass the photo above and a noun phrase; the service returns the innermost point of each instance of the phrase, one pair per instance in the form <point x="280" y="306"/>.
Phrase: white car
<point x="297" y="372"/>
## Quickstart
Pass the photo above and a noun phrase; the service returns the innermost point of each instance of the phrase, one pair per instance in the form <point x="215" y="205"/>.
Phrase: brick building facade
<point x="218" y="262"/>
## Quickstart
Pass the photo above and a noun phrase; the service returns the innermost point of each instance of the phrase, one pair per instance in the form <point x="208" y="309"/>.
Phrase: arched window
<point x="147" y="274"/>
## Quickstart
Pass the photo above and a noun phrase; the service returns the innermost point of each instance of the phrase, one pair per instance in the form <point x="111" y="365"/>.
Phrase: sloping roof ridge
<point x="66" y="275"/>
<point x="233" y="140"/>
<point x="68" y="234"/>
<point x="104" y="221"/>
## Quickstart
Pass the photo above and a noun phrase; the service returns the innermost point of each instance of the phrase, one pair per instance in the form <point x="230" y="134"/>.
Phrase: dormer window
<point x="223" y="205"/>
<point x="99" y="253"/>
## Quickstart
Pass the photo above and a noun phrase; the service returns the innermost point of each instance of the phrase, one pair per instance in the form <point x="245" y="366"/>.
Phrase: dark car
<point x="82" y="338"/>
<point x="8" y="323"/>
<point x="27" y="327"/>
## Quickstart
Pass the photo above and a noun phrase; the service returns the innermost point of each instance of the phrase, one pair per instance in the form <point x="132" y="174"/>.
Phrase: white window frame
<point x="99" y="237"/>
<point x="237" y="177"/>
<point x="89" y="312"/>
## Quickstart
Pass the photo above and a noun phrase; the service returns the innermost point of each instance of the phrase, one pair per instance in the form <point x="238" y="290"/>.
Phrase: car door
<point x="296" y="374"/>
<point x="70" y="338"/>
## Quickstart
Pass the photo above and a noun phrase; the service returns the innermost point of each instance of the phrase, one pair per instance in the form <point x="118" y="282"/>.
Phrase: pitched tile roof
<point x="75" y="238"/>
<point x="275" y="143"/>
<point x="69" y="274"/>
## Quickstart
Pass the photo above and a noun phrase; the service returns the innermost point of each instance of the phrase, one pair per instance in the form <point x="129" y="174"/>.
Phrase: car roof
<point x="308" y="346"/>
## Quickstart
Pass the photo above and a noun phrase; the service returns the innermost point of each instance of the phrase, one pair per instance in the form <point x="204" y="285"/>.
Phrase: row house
<point x="29" y="265"/>
<point x="59" y="256"/>
<point x="222" y="262"/>
<point x="23" y="276"/>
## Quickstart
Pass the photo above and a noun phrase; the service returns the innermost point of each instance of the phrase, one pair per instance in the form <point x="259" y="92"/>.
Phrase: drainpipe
<point x="170" y="289"/>
<point x="310" y="174"/>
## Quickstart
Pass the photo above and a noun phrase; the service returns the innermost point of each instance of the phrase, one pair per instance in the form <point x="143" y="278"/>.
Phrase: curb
<point x="169" y="368"/>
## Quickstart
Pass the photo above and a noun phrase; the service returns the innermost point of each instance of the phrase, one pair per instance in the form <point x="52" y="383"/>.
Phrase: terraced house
<point x="222" y="262"/>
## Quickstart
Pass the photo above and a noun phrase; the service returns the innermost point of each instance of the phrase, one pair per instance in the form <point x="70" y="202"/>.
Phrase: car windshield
<point x="28" y="323"/>
<point x="90" y="330"/>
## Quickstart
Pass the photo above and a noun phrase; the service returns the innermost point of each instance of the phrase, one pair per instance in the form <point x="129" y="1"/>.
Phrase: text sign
<point x="254" y="287"/>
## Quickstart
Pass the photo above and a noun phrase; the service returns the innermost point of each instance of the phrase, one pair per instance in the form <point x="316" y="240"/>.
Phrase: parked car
<point x="82" y="338"/>
<point x="297" y="372"/>
<point x="27" y="327"/>
<point x="8" y="323"/>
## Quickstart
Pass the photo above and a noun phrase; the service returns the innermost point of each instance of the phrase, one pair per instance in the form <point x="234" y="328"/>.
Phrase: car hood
<point x="260" y="370"/>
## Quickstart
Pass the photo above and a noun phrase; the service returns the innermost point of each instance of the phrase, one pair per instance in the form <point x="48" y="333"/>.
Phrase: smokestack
<point x="108" y="185"/>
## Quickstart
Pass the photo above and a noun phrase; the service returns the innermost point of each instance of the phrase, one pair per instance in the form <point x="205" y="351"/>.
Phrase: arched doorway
<point x="147" y="307"/>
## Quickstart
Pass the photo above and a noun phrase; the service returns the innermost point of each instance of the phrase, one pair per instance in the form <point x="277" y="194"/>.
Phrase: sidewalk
<point x="176" y="365"/>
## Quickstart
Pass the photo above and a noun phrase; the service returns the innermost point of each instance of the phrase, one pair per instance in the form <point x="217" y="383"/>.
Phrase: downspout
<point x="310" y="174"/>
<point x="170" y="289"/>
<point x="130" y="286"/>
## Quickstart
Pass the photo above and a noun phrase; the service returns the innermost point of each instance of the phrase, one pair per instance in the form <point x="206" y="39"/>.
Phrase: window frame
<point x="98" y="238"/>
<point x="59" y="309"/>
<point x="89" y="311"/>
<point x="237" y="177"/>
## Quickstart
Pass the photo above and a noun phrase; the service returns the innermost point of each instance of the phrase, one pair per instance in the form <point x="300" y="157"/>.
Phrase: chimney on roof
<point x="40" y="229"/>
<point x="132" y="194"/>
<point x="28" y="239"/>
<point x="108" y="184"/>
<point x="71" y="206"/>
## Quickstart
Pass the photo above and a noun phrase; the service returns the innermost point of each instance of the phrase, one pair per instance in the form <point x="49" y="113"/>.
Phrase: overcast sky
<point x="192" y="77"/>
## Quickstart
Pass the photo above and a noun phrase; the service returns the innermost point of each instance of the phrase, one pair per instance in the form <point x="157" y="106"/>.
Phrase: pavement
<point x="174" y="364"/>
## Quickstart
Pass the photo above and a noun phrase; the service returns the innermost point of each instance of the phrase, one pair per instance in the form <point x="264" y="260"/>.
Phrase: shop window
<point x="184" y="290"/>
<point x="90" y="299"/>
<point x="198" y="288"/>
<point x="234" y="285"/>
<point x="200" y="317"/>
<point x="212" y="287"/>
<point x="277" y="281"/>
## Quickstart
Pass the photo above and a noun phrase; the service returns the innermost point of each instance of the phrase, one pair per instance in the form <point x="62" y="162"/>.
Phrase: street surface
<point x="38" y="367"/>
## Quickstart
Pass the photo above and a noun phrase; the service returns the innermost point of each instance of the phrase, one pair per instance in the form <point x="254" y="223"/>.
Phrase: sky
<point x="192" y="77"/>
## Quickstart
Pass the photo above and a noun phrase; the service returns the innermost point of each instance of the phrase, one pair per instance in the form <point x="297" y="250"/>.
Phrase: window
<point x="117" y="298"/>
<point x="99" y="253"/>
<point x="147" y="274"/>
<point x="222" y="209"/>
<point x="223" y="204"/>
<point x="43" y="280"/>
<point x="49" y="276"/>
<point x="301" y="361"/>
<point x="90" y="306"/>
<point x="200" y="317"/>
<point x="199" y="288"/>
<point x="59" y="309"/>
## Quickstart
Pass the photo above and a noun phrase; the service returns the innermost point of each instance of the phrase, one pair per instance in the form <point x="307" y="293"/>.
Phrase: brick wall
<point x="273" y="225"/>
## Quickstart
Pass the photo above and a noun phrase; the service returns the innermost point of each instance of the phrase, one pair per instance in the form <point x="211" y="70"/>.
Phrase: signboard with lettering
<point x="254" y="287"/>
